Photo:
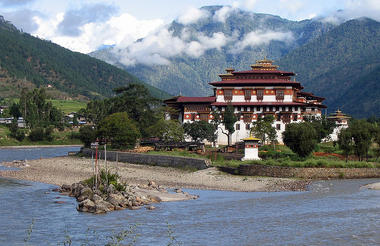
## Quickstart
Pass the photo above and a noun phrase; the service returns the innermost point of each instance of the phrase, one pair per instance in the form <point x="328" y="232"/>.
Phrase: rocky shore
<point x="63" y="170"/>
<point x="93" y="200"/>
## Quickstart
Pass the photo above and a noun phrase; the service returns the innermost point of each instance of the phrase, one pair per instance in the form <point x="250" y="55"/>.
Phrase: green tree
<point x="87" y="134"/>
<point x="14" y="110"/>
<point x="166" y="130"/>
<point x="361" y="132"/>
<point x="37" y="134"/>
<point x="200" y="130"/>
<point x="138" y="103"/>
<point x="36" y="111"/>
<point x="377" y="141"/>
<point x="346" y="142"/>
<point x="262" y="128"/>
<point x="229" y="119"/>
<point x="301" y="138"/>
<point x="322" y="126"/>
<point x="120" y="130"/>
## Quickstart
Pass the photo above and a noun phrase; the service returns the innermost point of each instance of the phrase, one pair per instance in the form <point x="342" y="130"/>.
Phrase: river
<point x="336" y="212"/>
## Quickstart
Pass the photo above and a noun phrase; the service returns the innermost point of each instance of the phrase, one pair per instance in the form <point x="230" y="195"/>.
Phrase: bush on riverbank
<point x="311" y="162"/>
<point x="59" y="138"/>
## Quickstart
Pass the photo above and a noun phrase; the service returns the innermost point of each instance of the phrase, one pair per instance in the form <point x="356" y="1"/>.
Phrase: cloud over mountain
<point x="73" y="20"/>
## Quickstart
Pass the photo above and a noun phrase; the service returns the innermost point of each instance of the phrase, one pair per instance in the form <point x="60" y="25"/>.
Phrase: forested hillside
<point x="26" y="61"/>
<point x="342" y="65"/>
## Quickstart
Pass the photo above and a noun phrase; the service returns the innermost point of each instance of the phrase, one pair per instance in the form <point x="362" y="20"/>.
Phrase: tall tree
<point x="345" y="142"/>
<point x="138" y="103"/>
<point x="262" y="128"/>
<point x="301" y="138"/>
<point x="120" y="130"/>
<point x="200" y="130"/>
<point x="361" y="132"/>
<point x="228" y="120"/>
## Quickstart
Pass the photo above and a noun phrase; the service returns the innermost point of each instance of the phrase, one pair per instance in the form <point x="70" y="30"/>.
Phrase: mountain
<point x="26" y="61"/>
<point x="190" y="75"/>
<point x="343" y="66"/>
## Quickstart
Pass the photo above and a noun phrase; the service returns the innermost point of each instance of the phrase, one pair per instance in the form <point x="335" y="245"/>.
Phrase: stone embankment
<point x="153" y="160"/>
<point x="93" y="200"/>
<point x="308" y="172"/>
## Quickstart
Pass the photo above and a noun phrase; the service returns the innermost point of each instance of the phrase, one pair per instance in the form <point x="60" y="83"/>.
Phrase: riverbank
<point x="68" y="170"/>
<point x="39" y="146"/>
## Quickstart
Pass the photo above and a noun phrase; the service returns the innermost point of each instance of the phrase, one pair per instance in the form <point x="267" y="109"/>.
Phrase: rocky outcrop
<point x="92" y="200"/>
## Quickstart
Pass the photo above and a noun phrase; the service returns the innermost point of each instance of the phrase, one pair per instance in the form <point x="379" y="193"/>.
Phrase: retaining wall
<point x="154" y="160"/>
<point x="309" y="173"/>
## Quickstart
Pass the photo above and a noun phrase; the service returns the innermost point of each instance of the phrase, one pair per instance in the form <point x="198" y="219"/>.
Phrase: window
<point x="279" y="95"/>
<point x="286" y="118"/>
<point x="204" y="117"/>
<point x="260" y="95"/>
<point x="237" y="127"/>
<point x="228" y="95"/>
<point x="278" y="126"/>
<point x="295" y="117"/>
<point x="278" y="117"/>
<point x="247" y="126"/>
<point x="247" y="117"/>
<point x="247" y="95"/>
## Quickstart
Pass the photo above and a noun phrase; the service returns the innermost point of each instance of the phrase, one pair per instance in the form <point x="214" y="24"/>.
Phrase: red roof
<point x="309" y="94"/>
<point x="255" y="82"/>
<point x="259" y="104"/>
<point x="266" y="72"/>
<point x="196" y="99"/>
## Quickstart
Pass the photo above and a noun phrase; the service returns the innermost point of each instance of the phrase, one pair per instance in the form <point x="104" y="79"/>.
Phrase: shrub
<point x="120" y="130"/>
<point x="37" y="134"/>
<point x="87" y="135"/>
<point x="301" y="138"/>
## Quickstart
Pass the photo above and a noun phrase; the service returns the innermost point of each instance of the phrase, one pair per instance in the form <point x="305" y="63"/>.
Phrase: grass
<point x="60" y="138"/>
<point x="177" y="153"/>
<point x="68" y="106"/>
<point x="309" y="162"/>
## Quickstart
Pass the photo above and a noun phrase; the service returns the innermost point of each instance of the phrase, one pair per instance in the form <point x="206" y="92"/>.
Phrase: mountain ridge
<point x="27" y="61"/>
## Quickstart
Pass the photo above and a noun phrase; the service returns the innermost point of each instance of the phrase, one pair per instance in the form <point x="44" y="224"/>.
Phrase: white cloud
<point x="192" y="15"/>
<point x="120" y="30"/>
<point x="250" y="4"/>
<point x="157" y="48"/>
<point x="222" y="14"/>
<point x="355" y="9"/>
<point x="259" y="38"/>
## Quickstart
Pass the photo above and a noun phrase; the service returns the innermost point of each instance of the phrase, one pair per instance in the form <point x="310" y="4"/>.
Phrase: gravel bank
<point x="68" y="170"/>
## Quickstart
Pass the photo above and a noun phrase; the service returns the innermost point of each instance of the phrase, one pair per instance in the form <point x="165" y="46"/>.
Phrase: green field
<point x="68" y="106"/>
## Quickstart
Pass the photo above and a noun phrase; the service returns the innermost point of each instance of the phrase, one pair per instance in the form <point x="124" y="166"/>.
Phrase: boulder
<point x="65" y="188"/>
<point x="103" y="207"/>
<point x="118" y="201"/>
<point x="86" y="206"/>
<point x="96" y="198"/>
<point x="76" y="189"/>
<point x="85" y="193"/>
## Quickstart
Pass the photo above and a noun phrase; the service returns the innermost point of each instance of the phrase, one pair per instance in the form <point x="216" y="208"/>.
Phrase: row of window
<point x="248" y="95"/>
<point x="248" y="127"/>
<point x="261" y="77"/>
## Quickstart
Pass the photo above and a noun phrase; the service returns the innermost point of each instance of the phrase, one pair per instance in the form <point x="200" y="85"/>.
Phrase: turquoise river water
<point x="334" y="212"/>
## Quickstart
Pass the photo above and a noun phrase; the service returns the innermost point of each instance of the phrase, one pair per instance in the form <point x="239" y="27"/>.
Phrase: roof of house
<point x="256" y="82"/>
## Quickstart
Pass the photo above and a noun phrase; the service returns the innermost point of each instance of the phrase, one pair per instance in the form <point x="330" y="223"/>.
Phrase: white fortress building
<point x="263" y="90"/>
<point x="341" y="121"/>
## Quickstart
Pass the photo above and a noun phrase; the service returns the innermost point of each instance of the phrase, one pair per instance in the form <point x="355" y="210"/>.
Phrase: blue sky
<point x="85" y="25"/>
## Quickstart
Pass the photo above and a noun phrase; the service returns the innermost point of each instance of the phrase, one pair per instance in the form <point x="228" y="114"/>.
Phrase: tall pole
<point x="96" y="166"/>
<point x="105" y="160"/>
<point x="117" y="162"/>
<point x="92" y="163"/>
